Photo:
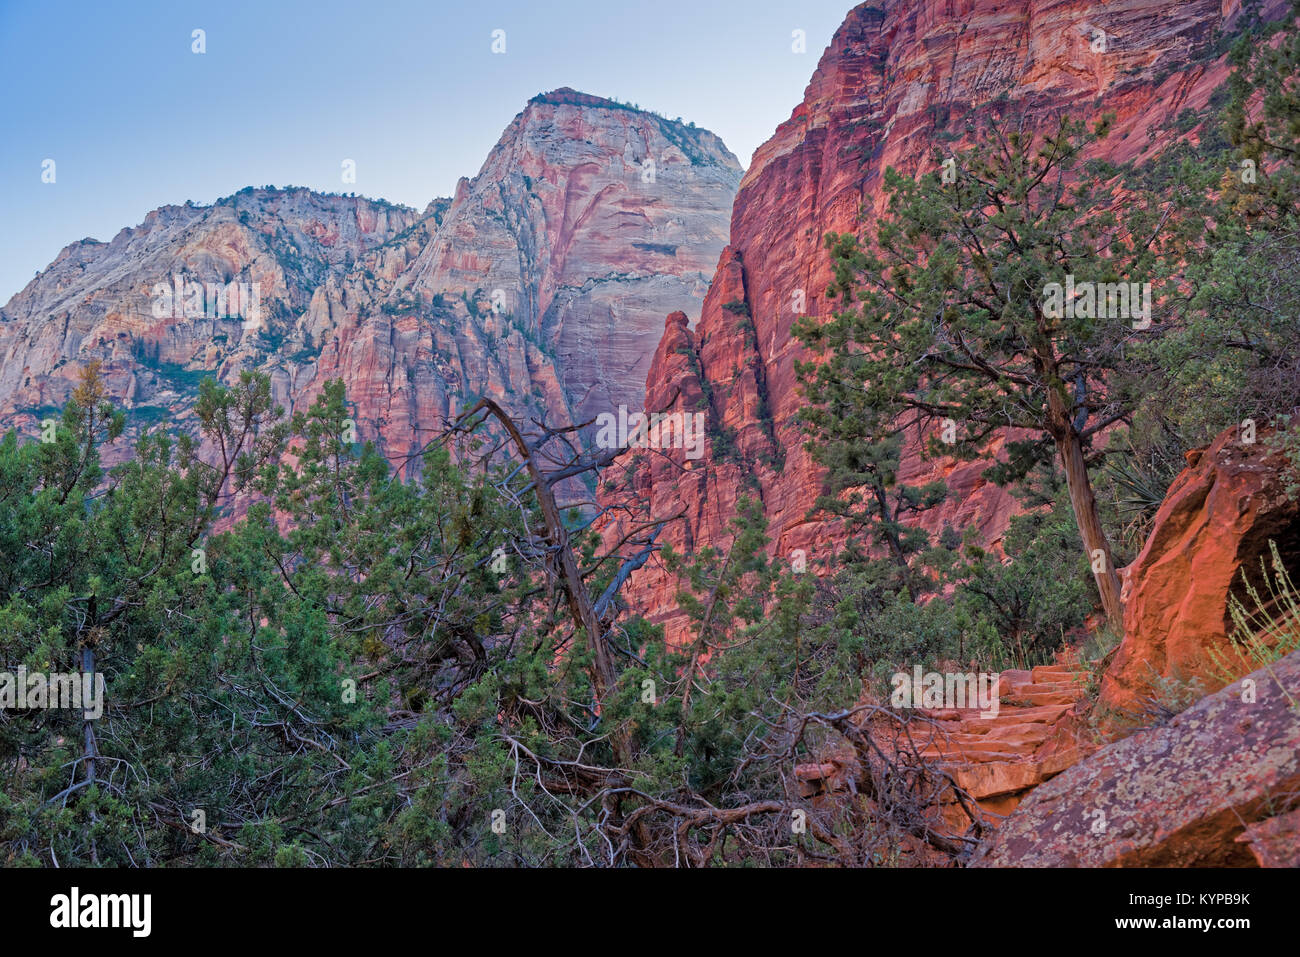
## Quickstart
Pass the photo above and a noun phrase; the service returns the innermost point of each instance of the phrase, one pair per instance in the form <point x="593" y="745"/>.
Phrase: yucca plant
<point x="1138" y="495"/>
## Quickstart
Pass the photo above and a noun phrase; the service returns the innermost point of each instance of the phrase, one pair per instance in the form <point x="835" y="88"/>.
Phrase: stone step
<point x="955" y="743"/>
<point x="1013" y="702"/>
<point x="1011" y="715"/>
<point x="976" y="757"/>
<point x="1053" y="672"/>
<point x="1010" y="677"/>
<point x="988" y="780"/>
<point x="1025" y="731"/>
<point x="996" y="759"/>
<point x="988" y="730"/>
<point x="970" y="722"/>
<point x="1039" y="686"/>
<point x="959" y="739"/>
<point x="1045" y="698"/>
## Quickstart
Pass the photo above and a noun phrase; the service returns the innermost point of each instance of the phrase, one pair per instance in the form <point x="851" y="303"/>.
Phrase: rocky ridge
<point x="542" y="283"/>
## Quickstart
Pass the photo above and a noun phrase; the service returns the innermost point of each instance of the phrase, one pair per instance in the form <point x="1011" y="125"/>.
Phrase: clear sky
<point x="289" y="89"/>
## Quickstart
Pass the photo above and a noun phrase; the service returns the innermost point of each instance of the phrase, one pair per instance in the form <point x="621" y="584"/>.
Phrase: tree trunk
<point x="891" y="536"/>
<point x="1070" y="447"/>
<point x="583" y="612"/>
<point x="91" y="747"/>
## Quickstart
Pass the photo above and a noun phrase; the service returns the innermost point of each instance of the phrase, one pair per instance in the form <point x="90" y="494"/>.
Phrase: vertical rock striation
<point x="896" y="79"/>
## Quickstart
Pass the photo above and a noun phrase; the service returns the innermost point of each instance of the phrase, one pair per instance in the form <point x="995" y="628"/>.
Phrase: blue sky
<point x="287" y="90"/>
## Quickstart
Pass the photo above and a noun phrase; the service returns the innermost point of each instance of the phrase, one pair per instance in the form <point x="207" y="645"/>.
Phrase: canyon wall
<point x="543" y="283"/>
<point x="97" y="299"/>
<point x="895" y="80"/>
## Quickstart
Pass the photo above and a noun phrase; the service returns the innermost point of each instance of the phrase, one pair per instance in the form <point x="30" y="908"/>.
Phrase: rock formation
<point x="1180" y="795"/>
<point x="1176" y="795"/>
<point x="898" y="81"/>
<point x="543" y="283"/>
<point x="593" y="221"/>
<point x="1216" y="522"/>
<point x="997" y="760"/>
<point x="115" y="301"/>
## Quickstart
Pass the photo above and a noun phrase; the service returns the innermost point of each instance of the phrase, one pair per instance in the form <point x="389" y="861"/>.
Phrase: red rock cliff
<point x="895" y="74"/>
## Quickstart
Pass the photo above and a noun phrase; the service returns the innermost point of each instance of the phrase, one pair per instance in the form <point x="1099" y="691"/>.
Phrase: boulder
<point x="1276" y="841"/>
<point x="1216" y="521"/>
<point x="1180" y="795"/>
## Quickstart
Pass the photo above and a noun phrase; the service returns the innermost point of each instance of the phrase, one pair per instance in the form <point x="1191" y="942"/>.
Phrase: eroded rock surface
<point x="1216" y="521"/>
<point x="1173" y="796"/>
<point x="897" y="80"/>
<point x="543" y="283"/>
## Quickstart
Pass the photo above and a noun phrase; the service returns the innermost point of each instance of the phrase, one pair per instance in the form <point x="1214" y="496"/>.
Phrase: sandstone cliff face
<point x="544" y="283"/>
<point x="594" y="221"/>
<point x="896" y="76"/>
<point x="103" y="301"/>
<point x="589" y="221"/>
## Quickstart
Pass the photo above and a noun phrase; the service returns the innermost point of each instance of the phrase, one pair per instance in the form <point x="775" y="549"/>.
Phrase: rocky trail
<point x="1036" y="733"/>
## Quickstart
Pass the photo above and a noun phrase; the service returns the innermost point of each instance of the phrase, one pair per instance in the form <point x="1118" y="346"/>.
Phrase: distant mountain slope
<point x="543" y="283"/>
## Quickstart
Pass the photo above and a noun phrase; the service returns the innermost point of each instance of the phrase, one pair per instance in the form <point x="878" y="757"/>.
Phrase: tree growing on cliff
<point x="998" y="293"/>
